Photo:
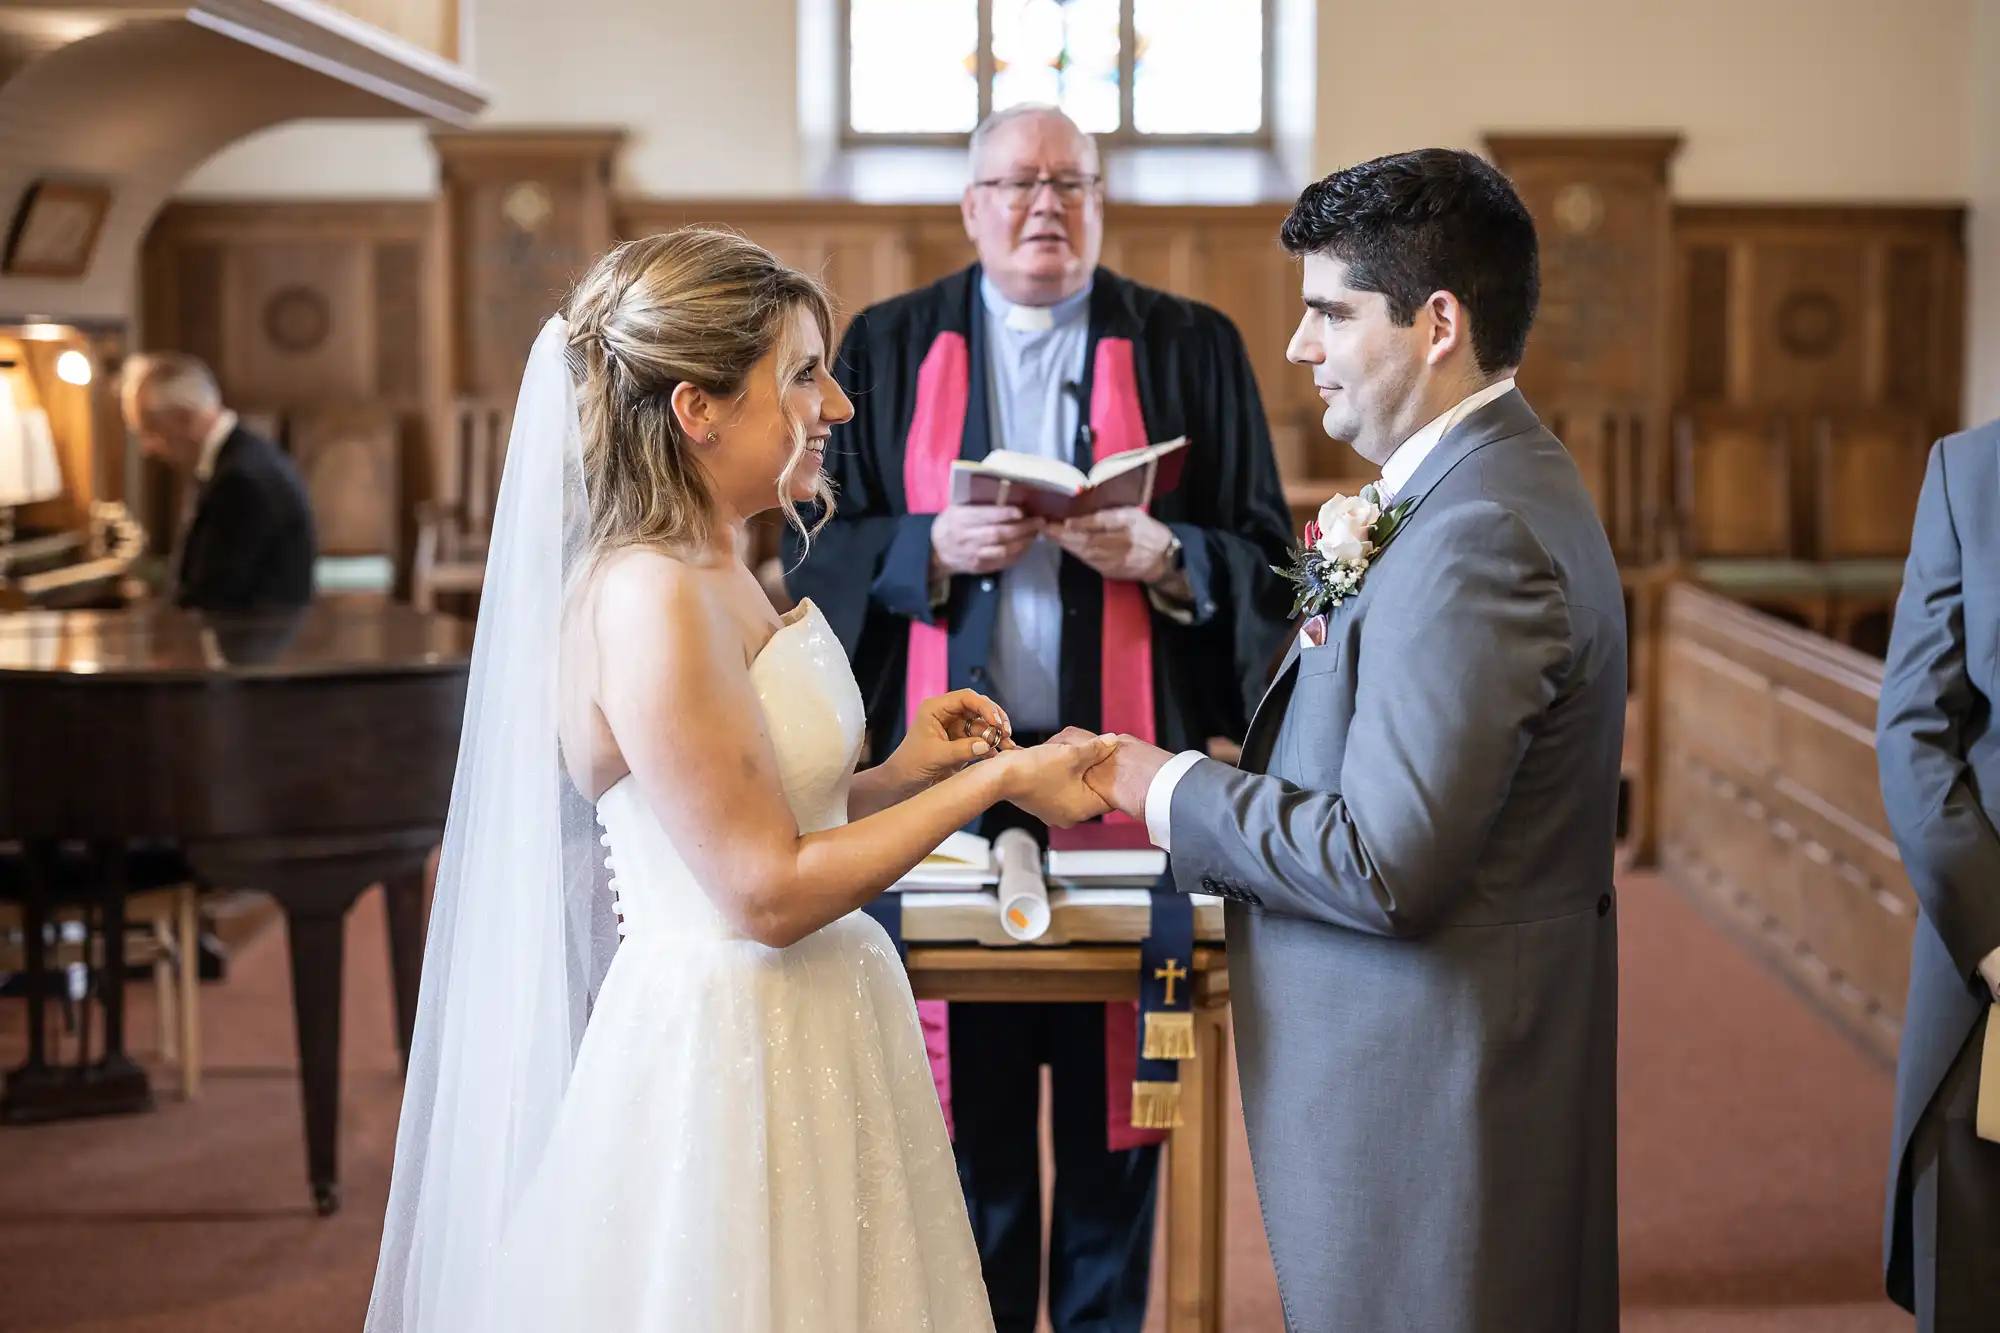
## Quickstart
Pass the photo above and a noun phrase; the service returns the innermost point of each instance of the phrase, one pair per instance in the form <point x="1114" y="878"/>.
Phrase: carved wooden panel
<point x="1597" y="356"/>
<point x="1869" y="467"/>
<point x="1769" y="806"/>
<point x="1845" y="323"/>
<point x="352" y="468"/>
<point x="297" y="326"/>
<point x="1734" y="478"/>
<point x="526" y="213"/>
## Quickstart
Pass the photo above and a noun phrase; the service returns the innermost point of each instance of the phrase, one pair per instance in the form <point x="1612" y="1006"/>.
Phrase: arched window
<point x="1132" y="71"/>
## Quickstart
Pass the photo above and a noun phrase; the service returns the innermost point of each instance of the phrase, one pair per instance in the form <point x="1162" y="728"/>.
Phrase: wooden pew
<point x="1769" y="805"/>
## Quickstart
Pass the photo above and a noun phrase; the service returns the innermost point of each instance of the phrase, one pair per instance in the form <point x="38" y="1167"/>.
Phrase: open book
<point x="963" y="861"/>
<point x="1048" y="488"/>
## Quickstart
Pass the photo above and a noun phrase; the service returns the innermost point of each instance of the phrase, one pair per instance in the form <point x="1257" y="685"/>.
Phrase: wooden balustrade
<point x="1770" y="809"/>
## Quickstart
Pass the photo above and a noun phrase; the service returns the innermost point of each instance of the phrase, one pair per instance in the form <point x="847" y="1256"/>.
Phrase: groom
<point x="1417" y="849"/>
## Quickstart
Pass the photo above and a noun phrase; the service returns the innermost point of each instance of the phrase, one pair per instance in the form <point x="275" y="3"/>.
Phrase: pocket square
<point x="1312" y="634"/>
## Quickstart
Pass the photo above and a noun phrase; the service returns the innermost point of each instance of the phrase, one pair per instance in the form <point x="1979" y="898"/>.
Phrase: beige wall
<point x="707" y="88"/>
<point x="1801" y="99"/>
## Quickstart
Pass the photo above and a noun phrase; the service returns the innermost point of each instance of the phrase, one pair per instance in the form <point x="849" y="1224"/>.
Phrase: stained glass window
<point x="1198" y="66"/>
<point x="1191" y="69"/>
<point x="1060" y="53"/>
<point x="913" y="66"/>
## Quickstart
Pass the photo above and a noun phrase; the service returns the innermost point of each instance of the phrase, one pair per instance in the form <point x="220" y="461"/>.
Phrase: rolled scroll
<point x="1024" y="895"/>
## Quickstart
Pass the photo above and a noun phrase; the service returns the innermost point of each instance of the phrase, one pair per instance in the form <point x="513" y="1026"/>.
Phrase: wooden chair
<point x="163" y="930"/>
<point x="452" y="535"/>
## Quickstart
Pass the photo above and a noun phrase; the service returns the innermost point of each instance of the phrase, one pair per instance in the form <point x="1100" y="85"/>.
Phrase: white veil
<point x="521" y="927"/>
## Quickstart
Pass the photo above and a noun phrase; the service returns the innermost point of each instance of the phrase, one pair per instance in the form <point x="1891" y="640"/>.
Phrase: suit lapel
<point x="1503" y="418"/>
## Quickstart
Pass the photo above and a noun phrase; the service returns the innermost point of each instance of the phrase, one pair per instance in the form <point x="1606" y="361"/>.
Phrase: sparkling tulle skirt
<point x="750" y="1142"/>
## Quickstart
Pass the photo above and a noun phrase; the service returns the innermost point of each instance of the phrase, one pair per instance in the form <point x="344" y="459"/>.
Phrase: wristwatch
<point x="1176" y="556"/>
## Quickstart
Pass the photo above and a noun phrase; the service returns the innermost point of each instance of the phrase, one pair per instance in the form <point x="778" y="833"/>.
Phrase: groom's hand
<point x="1124" y="779"/>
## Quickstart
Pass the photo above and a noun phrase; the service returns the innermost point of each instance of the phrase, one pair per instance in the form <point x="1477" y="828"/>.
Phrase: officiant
<point x="1156" y="620"/>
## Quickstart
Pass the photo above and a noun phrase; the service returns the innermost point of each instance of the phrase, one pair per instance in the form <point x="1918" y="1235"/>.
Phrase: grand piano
<point x="306" y="754"/>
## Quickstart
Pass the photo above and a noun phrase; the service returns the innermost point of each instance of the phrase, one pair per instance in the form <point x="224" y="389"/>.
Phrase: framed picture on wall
<point x="56" y="230"/>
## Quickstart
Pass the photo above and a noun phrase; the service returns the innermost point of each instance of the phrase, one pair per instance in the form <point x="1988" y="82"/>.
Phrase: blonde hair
<point x="692" y="306"/>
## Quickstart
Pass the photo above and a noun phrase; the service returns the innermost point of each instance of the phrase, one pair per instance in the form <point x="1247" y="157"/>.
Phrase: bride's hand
<point x="1048" y="780"/>
<point x="949" y="732"/>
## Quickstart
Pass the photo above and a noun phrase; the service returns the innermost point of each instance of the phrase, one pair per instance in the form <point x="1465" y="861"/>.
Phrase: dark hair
<point x="1434" y="220"/>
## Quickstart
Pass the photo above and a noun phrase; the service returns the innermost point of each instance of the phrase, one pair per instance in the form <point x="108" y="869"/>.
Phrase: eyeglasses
<point x="1019" y="191"/>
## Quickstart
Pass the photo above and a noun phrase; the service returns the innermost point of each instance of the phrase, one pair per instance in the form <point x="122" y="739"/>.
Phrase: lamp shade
<point x="28" y="467"/>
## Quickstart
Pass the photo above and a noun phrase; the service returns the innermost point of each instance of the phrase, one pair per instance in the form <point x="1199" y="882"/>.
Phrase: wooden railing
<point x="1770" y="808"/>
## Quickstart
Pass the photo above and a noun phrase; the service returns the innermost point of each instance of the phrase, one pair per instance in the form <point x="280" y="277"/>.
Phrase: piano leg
<point x="403" y="894"/>
<point x="317" y="939"/>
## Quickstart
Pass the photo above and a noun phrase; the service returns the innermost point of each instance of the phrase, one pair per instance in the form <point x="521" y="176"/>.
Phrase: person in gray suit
<point x="1417" y="847"/>
<point x="1940" y="760"/>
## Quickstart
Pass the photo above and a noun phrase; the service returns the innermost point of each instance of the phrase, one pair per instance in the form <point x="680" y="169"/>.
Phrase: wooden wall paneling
<point x="1733" y="483"/>
<point x="304" y="309"/>
<point x="1868" y="468"/>
<point x="527" y="212"/>
<point x="1846" y="324"/>
<point x="1769" y="807"/>
<point x="297" y="326"/>
<point x="1598" y="356"/>
<point x="351" y="459"/>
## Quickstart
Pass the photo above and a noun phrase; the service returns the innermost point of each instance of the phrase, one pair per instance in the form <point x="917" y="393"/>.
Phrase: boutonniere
<point x="1351" y="531"/>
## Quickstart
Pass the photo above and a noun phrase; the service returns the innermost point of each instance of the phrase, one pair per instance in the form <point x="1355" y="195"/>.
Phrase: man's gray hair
<point x="1021" y="111"/>
<point x="172" y="379"/>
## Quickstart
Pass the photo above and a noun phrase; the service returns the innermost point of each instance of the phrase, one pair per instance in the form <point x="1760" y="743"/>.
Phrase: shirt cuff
<point x="1160" y="796"/>
<point x="1172" y="598"/>
<point x="1989" y="966"/>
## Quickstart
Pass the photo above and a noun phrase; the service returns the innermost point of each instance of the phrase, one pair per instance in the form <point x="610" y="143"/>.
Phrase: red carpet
<point x="1753" y="1140"/>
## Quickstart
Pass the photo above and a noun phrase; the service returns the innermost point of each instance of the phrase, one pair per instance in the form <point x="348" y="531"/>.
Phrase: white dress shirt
<point x="1396" y="474"/>
<point x="211" y="447"/>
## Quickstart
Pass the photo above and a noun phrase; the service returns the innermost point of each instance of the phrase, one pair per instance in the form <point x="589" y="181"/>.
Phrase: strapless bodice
<point x="813" y="711"/>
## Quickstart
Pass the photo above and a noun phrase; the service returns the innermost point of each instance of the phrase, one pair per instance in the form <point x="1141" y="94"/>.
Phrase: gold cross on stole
<point x="1171" y="973"/>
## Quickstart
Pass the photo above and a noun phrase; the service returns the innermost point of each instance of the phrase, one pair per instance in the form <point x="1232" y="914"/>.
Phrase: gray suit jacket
<point x="1423" y="954"/>
<point x="1940" y="760"/>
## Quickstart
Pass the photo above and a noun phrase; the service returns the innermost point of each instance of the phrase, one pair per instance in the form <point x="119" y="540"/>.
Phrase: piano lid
<point x="156" y="642"/>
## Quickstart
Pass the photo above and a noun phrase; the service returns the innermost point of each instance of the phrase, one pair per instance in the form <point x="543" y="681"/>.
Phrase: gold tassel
<point x="1169" y="1036"/>
<point x="1156" y="1105"/>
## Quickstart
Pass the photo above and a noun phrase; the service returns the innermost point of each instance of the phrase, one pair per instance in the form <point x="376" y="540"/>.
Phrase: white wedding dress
<point x="750" y="1141"/>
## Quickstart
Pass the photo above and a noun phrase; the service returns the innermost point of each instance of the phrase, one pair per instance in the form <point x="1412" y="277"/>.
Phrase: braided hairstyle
<point x="693" y="305"/>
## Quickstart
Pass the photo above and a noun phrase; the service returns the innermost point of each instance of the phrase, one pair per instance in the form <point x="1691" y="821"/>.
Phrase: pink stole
<point x="937" y="431"/>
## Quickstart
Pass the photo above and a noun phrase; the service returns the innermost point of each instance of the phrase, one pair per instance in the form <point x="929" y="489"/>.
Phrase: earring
<point x="711" y="437"/>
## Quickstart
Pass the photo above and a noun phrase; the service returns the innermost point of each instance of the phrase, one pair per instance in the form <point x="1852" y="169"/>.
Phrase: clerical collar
<point x="1033" y="318"/>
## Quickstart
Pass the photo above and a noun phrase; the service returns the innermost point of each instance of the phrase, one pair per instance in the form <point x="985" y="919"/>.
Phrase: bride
<point x="744" y="1135"/>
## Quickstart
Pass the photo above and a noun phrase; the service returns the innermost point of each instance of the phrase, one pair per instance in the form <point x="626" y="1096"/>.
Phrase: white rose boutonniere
<point x="1351" y="530"/>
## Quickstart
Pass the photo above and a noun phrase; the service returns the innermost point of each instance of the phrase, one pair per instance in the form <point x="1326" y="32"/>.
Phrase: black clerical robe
<point x="1157" y="366"/>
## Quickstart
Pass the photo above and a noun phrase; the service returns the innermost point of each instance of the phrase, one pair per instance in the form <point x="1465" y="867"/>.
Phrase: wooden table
<point x="1197" y="1151"/>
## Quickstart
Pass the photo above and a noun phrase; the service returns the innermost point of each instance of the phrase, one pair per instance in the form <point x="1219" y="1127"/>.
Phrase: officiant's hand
<point x="947" y="733"/>
<point x="1128" y="543"/>
<point x="1127" y="774"/>
<point x="1047" y="780"/>
<point x="980" y="539"/>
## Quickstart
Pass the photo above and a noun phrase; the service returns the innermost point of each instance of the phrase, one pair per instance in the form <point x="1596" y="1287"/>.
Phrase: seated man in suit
<point x="245" y="539"/>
